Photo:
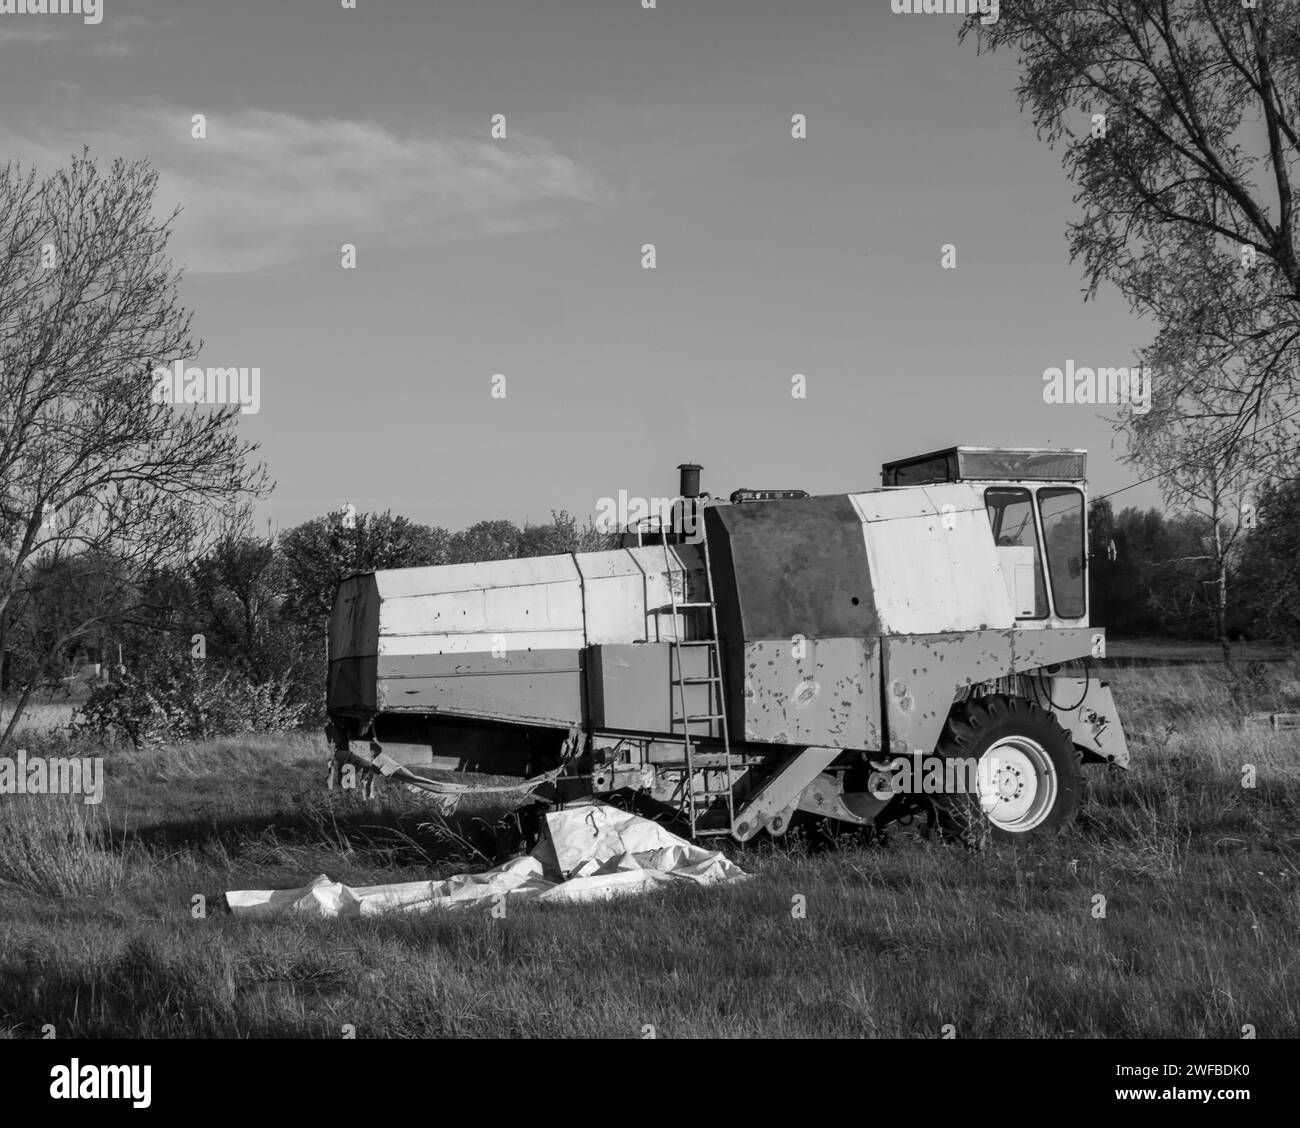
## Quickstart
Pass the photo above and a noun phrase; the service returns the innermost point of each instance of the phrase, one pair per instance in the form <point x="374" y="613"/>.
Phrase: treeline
<point x="234" y="641"/>
<point x="1155" y="575"/>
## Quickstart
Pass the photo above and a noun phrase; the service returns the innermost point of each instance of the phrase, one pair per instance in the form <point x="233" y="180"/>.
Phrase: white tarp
<point x="587" y="854"/>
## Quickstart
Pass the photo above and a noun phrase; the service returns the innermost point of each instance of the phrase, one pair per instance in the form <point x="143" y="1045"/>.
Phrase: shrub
<point x="170" y="698"/>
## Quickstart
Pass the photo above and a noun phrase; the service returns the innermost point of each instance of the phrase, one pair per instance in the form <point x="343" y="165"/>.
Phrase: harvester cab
<point x="1037" y="512"/>
<point x="918" y="649"/>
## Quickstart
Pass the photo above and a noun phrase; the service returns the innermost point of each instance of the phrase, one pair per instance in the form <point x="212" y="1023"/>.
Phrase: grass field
<point x="1161" y="650"/>
<point x="1201" y="880"/>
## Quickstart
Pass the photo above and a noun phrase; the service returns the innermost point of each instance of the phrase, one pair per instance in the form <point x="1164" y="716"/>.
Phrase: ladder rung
<point x="696" y="681"/>
<point x="698" y="717"/>
<point x="695" y="642"/>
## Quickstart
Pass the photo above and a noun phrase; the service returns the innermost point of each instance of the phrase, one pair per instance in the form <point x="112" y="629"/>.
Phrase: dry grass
<point x="41" y="719"/>
<point x="56" y="844"/>
<point x="1200" y="878"/>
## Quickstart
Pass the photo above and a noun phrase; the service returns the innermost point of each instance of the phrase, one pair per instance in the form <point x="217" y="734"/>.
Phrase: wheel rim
<point x="1017" y="784"/>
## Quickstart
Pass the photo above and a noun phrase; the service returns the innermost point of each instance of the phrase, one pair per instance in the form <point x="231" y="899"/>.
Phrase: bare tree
<point x="1180" y="122"/>
<point x="91" y="464"/>
<point x="1201" y="479"/>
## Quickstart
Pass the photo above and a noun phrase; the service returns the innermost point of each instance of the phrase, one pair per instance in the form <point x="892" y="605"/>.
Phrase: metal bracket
<point x="771" y="805"/>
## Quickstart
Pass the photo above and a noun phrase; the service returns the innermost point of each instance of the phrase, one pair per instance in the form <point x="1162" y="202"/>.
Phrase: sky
<point x="522" y="256"/>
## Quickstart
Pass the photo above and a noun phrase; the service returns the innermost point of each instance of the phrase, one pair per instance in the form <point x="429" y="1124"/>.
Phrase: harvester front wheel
<point x="1029" y="783"/>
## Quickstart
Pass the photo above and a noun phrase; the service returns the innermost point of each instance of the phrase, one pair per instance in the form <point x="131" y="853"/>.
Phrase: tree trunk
<point x="1221" y="617"/>
<point x="1221" y="598"/>
<point x="19" y="708"/>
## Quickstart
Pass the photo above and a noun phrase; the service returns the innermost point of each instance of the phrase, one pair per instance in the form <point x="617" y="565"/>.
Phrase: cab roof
<point x="988" y="464"/>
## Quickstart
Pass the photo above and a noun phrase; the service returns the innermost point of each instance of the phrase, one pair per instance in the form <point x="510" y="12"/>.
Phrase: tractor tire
<point x="1037" y="786"/>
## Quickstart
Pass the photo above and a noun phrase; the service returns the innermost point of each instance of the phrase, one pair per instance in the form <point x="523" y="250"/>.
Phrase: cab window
<point x="1011" y="513"/>
<point x="1062" y="514"/>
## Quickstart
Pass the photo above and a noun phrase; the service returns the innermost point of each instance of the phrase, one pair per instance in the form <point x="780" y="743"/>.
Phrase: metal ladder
<point x="699" y="801"/>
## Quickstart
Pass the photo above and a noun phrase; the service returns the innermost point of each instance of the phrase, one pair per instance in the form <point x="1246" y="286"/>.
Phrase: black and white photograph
<point x="746" y="521"/>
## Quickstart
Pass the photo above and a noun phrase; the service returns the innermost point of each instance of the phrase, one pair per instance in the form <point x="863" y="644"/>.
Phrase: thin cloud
<point x="28" y="35"/>
<point x="103" y="40"/>
<point x="267" y="189"/>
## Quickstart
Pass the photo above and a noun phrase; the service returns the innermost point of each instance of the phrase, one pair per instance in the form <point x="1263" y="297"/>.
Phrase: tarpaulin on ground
<point x="586" y="854"/>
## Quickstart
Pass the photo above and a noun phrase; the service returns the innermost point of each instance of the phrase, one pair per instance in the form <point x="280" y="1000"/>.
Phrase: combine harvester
<point x="775" y="653"/>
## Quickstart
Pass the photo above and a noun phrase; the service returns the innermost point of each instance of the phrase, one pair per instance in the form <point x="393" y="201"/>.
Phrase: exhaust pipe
<point x="686" y="509"/>
<point x="690" y="482"/>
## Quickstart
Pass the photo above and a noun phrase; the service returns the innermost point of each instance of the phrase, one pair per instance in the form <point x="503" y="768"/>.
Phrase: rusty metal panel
<point x="354" y="620"/>
<point x="541" y="687"/>
<point x="629" y="689"/>
<point x="776" y="799"/>
<point x="1086" y="709"/>
<point x="350" y="686"/>
<point x="791" y="567"/>
<point x="933" y="563"/>
<point x="1049" y="646"/>
<point x="353" y="645"/>
<point x="922" y="674"/>
<point x="485" y="642"/>
<point x="823" y="692"/>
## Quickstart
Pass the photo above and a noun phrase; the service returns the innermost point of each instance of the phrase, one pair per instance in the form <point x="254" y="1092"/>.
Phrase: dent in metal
<point x="925" y="672"/>
<point x="813" y="692"/>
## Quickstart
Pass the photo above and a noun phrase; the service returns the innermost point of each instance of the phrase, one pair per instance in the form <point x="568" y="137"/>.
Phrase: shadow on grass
<point x="385" y="833"/>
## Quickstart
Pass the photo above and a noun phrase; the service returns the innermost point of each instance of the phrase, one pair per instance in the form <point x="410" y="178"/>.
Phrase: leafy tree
<point x="319" y="553"/>
<point x="1163" y="580"/>
<point x="1180" y="127"/>
<point x="237" y="590"/>
<point x="1270" y="565"/>
<point x="563" y="535"/>
<point x="61" y="608"/>
<point x="488" y="540"/>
